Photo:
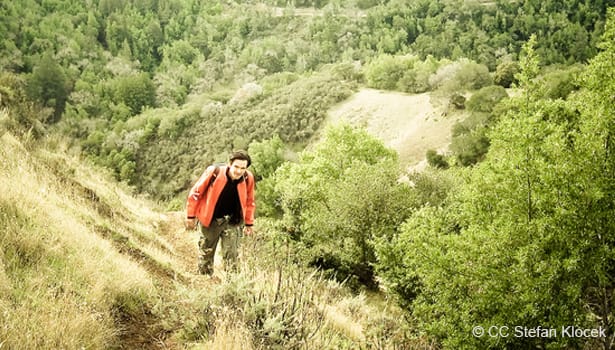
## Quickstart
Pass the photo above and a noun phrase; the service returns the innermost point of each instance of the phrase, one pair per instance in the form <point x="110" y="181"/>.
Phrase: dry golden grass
<point x="341" y="322"/>
<point x="60" y="279"/>
<point x="411" y="124"/>
<point x="229" y="336"/>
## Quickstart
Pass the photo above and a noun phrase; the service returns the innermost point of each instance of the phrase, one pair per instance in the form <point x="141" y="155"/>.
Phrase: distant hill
<point x="411" y="124"/>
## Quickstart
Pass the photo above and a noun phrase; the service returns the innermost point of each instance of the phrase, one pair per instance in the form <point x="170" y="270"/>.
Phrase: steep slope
<point x="410" y="124"/>
<point x="79" y="253"/>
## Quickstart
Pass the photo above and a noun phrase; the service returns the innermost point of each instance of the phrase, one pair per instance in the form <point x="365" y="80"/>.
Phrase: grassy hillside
<point x="67" y="266"/>
<point x="411" y="124"/>
<point x="86" y="265"/>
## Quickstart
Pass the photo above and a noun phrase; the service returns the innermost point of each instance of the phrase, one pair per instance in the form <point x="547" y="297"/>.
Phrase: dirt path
<point x="185" y="248"/>
<point x="184" y="243"/>
<point x="145" y="329"/>
<point x="410" y="124"/>
<point x="312" y="12"/>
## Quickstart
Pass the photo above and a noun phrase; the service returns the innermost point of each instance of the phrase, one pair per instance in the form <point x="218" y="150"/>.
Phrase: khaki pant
<point x="229" y="237"/>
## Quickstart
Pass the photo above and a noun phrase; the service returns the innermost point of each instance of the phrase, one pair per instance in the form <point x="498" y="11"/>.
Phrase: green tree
<point x="460" y="75"/>
<point x="416" y="80"/>
<point x="267" y="156"/>
<point x="560" y="83"/>
<point x="592" y="215"/>
<point x="180" y="52"/>
<point x="486" y="98"/>
<point x="136" y="92"/>
<point x="48" y="85"/>
<point x="338" y="198"/>
<point x="527" y="240"/>
<point x="505" y="74"/>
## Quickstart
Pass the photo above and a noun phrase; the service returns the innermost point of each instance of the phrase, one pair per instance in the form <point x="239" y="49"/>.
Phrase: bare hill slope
<point x="410" y="124"/>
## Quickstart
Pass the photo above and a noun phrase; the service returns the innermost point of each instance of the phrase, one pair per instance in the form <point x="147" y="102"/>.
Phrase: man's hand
<point x="248" y="231"/>
<point x="190" y="224"/>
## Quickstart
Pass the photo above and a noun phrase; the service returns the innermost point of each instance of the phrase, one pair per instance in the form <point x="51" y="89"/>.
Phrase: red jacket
<point x="202" y="198"/>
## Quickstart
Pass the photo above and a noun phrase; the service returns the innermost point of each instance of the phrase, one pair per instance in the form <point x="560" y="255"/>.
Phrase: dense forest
<point x="514" y="227"/>
<point x="144" y="83"/>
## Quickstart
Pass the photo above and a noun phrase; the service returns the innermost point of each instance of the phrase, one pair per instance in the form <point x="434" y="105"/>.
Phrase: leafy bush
<point x="560" y="83"/>
<point x="136" y="92"/>
<point x="320" y="194"/>
<point x="275" y="81"/>
<point x="267" y="156"/>
<point x="385" y="71"/>
<point x="416" y="80"/>
<point x="247" y="92"/>
<point x="469" y="148"/>
<point x="436" y="160"/>
<point x="459" y="76"/>
<point x="18" y="113"/>
<point x="505" y="74"/>
<point x="486" y="98"/>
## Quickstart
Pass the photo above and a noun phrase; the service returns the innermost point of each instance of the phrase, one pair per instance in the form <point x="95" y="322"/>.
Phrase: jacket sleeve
<point x="197" y="192"/>
<point x="250" y="204"/>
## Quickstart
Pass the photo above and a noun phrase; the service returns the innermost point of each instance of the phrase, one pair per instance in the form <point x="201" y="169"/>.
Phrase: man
<point x="220" y="201"/>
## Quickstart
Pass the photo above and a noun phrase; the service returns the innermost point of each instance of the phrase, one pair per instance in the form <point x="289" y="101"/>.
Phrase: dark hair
<point x="240" y="155"/>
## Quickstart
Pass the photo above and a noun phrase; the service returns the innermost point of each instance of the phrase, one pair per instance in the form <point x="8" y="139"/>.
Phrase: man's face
<point x="237" y="168"/>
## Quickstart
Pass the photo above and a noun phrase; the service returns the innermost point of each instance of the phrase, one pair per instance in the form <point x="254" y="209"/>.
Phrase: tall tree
<point x="48" y="85"/>
<point x="595" y="184"/>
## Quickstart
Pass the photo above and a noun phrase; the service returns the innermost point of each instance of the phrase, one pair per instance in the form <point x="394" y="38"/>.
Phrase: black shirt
<point x="228" y="202"/>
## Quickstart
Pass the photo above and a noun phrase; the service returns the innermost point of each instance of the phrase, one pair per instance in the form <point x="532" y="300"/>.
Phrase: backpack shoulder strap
<point x="214" y="175"/>
<point x="247" y="178"/>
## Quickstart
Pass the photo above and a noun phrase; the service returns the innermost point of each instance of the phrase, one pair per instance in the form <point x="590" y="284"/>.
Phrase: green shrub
<point x="486" y="98"/>
<point x="458" y="101"/>
<point x="318" y="196"/>
<point x="459" y="76"/>
<point x="278" y="80"/>
<point x="505" y="74"/>
<point x="136" y="92"/>
<point x="469" y="148"/>
<point x="560" y="83"/>
<point x="436" y="160"/>
<point x="18" y="114"/>
<point x="385" y="71"/>
<point x="416" y="80"/>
